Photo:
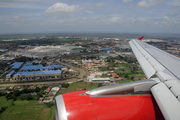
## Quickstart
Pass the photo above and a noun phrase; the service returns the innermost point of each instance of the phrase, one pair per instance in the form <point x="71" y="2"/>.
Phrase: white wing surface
<point x="166" y="67"/>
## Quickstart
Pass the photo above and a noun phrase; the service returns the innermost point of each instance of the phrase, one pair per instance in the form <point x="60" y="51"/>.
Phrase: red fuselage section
<point x="129" y="107"/>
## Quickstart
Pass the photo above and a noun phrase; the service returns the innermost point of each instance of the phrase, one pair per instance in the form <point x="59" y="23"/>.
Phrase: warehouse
<point x="30" y="67"/>
<point x="8" y="76"/>
<point x="34" y="72"/>
<point x="16" y="65"/>
<point x="37" y="75"/>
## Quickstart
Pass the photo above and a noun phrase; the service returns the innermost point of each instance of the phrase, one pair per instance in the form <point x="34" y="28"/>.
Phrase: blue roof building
<point x="36" y="73"/>
<point x="106" y="49"/>
<point x="105" y="55"/>
<point x="11" y="73"/>
<point x="16" y="65"/>
<point x="29" y="66"/>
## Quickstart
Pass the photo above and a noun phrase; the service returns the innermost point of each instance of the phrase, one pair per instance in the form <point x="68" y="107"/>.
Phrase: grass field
<point x="4" y="102"/>
<point x="78" y="86"/>
<point x="28" y="110"/>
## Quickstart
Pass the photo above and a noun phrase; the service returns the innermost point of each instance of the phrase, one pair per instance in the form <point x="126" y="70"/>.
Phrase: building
<point x="48" y="99"/>
<point x="33" y="72"/>
<point x="36" y="75"/>
<point x="16" y="65"/>
<point x="9" y="76"/>
<point x="53" y="91"/>
<point x="101" y="80"/>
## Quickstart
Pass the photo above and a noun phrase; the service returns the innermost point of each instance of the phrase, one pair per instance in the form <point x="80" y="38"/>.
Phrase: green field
<point x="78" y="86"/>
<point x="4" y="102"/>
<point x="28" y="110"/>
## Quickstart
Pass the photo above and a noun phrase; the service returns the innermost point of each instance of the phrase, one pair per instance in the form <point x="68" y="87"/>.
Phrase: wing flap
<point x="164" y="77"/>
<point x="174" y="86"/>
<point x="169" y="105"/>
<point x="144" y="65"/>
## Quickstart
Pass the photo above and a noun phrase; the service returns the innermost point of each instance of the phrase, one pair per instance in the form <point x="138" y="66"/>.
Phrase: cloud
<point x="16" y="17"/>
<point x="20" y="0"/>
<point x="100" y="4"/>
<point x="166" y="17"/>
<point x="20" y="5"/>
<point x="10" y="23"/>
<point x="114" y="19"/>
<point x="174" y="2"/>
<point x="127" y="0"/>
<point x="63" y="8"/>
<point x="148" y="3"/>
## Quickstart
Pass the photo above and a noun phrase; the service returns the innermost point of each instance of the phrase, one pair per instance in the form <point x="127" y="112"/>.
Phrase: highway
<point x="33" y="83"/>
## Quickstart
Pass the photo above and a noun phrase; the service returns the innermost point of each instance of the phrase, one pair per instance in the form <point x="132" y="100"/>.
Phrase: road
<point x="81" y="75"/>
<point x="82" y="72"/>
<point x="33" y="83"/>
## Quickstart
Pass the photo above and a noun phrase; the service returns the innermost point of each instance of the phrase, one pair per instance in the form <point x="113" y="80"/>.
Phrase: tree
<point x="26" y="90"/>
<point x="9" y="96"/>
<point x="16" y="93"/>
<point x="100" y="84"/>
<point x="132" y="78"/>
<point x="49" y="104"/>
<point x="3" y="109"/>
<point x="65" y="85"/>
<point x="23" y="97"/>
<point x="126" y="76"/>
<point x="37" y="89"/>
<point x="39" y="94"/>
<point x="29" y="97"/>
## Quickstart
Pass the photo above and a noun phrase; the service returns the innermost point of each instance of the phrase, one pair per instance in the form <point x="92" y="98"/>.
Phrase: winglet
<point x="140" y="38"/>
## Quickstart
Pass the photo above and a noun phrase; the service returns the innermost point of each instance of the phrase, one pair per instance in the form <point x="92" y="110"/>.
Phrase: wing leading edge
<point x="166" y="67"/>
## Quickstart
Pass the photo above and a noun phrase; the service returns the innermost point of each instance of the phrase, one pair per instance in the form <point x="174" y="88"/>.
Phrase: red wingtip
<point x="140" y="38"/>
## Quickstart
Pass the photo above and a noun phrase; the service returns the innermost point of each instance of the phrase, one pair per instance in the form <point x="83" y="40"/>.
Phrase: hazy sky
<point x="21" y="16"/>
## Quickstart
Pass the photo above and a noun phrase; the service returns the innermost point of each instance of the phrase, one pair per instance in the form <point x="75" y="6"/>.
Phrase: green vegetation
<point x="78" y="86"/>
<point x="3" y="65"/>
<point x="65" y="85"/>
<point x="5" y="102"/>
<point x="22" y="110"/>
<point x="49" y="105"/>
<point x="79" y="49"/>
<point x="3" y="109"/>
<point x="4" y="76"/>
<point x="23" y="59"/>
<point x="16" y="94"/>
<point x="52" y="113"/>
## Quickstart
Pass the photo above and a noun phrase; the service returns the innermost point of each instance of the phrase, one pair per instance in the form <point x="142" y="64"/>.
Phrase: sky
<point x="109" y="16"/>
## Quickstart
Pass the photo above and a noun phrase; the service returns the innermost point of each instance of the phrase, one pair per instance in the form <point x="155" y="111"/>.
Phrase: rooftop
<point x="39" y="72"/>
<point x="29" y="66"/>
<point x="10" y="73"/>
<point x="16" y="65"/>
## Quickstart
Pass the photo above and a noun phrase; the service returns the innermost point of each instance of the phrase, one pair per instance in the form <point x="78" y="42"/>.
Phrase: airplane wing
<point x="166" y="67"/>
